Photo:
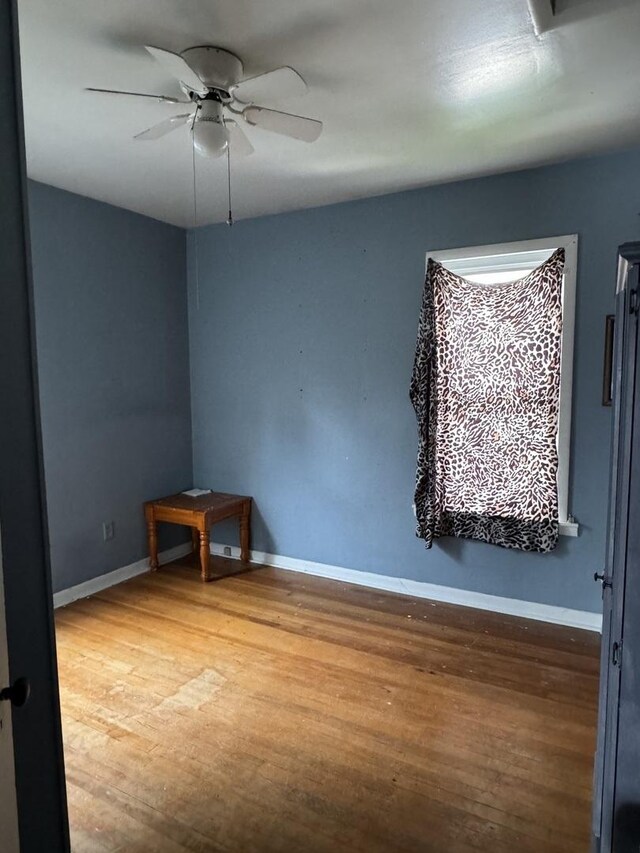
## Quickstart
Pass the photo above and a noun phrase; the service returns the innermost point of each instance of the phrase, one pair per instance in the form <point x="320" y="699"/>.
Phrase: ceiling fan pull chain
<point x="195" y="217"/>
<point x="230" y="218"/>
<point x="195" y="184"/>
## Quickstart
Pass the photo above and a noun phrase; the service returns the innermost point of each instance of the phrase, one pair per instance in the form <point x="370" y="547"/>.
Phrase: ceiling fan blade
<point x="164" y="98"/>
<point x="164" y="127"/>
<point x="178" y="68"/>
<point x="280" y="83"/>
<point x="297" y="127"/>
<point x="238" y="139"/>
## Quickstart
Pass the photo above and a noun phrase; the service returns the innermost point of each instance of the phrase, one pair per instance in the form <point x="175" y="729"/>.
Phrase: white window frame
<point x="526" y="254"/>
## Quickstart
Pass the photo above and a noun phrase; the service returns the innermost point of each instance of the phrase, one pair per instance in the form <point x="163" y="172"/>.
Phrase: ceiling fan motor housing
<point x="217" y="68"/>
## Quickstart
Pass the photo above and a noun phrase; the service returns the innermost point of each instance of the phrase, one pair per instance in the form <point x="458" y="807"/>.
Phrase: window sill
<point x="569" y="528"/>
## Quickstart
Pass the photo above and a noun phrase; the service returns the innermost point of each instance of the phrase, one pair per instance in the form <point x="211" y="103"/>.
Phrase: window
<point x="504" y="262"/>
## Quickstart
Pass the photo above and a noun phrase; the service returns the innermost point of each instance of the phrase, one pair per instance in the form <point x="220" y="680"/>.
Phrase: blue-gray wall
<point x="302" y="332"/>
<point x="113" y="370"/>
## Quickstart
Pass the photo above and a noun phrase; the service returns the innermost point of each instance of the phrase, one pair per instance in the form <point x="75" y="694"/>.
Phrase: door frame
<point x="37" y="735"/>
<point x="621" y="532"/>
<point x="8" y="799"/>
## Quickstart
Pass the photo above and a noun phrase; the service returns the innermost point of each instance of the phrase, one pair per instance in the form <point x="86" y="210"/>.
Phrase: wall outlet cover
<point x="108" y="530"/>
<point x="227" y="551"/>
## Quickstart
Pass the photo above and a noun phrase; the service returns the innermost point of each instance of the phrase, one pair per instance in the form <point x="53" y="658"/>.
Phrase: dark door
<point x="37" y="745"/>
<point x="616" y="821"/>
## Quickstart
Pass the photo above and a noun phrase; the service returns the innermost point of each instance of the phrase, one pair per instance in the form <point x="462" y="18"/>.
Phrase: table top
<point x="217" y="501"/>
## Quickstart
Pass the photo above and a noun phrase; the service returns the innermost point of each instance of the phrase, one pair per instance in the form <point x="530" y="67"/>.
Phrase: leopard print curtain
<point x="486" y="389"/>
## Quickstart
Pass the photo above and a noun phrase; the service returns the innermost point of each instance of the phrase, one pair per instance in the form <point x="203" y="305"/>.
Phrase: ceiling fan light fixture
<point x="210" y="136"/>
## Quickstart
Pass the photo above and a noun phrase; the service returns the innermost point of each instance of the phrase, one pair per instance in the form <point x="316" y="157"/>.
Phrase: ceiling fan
<point x="219" y="99"/>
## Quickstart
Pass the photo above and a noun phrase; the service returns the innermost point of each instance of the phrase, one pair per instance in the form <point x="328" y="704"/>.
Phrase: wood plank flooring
<point x="271" y="711"/>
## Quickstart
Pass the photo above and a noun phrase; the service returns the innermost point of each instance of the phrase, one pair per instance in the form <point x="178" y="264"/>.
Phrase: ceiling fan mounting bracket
<point x="219" y="95"/>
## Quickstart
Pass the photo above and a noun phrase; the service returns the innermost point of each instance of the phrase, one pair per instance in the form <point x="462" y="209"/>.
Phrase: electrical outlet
<point x="227" y="551"/>
<point x="108" y="530"/>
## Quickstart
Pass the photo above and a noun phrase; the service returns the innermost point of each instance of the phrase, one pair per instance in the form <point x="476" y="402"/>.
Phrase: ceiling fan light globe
<point x="210" y="139"/>
<point x="210" y="136"/>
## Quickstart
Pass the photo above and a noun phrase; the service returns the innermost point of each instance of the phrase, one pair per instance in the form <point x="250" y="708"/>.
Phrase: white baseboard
<point x="418" y="589"/>
<point x="90" y="587"/>
<point x="435" y="592"/>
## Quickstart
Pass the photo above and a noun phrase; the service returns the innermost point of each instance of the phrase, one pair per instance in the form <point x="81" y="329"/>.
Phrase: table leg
<point x="245" y="533"/>
<point x="195" y="541"/>
<point x="152" y="536"/>
<point x="204" y="555"/>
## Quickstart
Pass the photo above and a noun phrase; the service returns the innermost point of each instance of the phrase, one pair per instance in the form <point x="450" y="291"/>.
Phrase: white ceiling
<point x="411" y="92"/>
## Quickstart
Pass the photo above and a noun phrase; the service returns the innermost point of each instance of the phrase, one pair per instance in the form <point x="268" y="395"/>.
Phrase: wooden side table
<point x="199" y="514"/>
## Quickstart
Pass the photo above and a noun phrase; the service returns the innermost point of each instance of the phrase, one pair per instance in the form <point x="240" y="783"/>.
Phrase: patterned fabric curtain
<point x="486" y="389"/>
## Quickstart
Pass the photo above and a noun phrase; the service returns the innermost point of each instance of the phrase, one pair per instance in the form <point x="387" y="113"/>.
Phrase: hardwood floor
<point x="272" y="711"/>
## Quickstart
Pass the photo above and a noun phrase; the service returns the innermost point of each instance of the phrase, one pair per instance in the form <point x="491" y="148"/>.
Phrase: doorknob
<point x="600" y="576"/>
<point x="18" y="694"/>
